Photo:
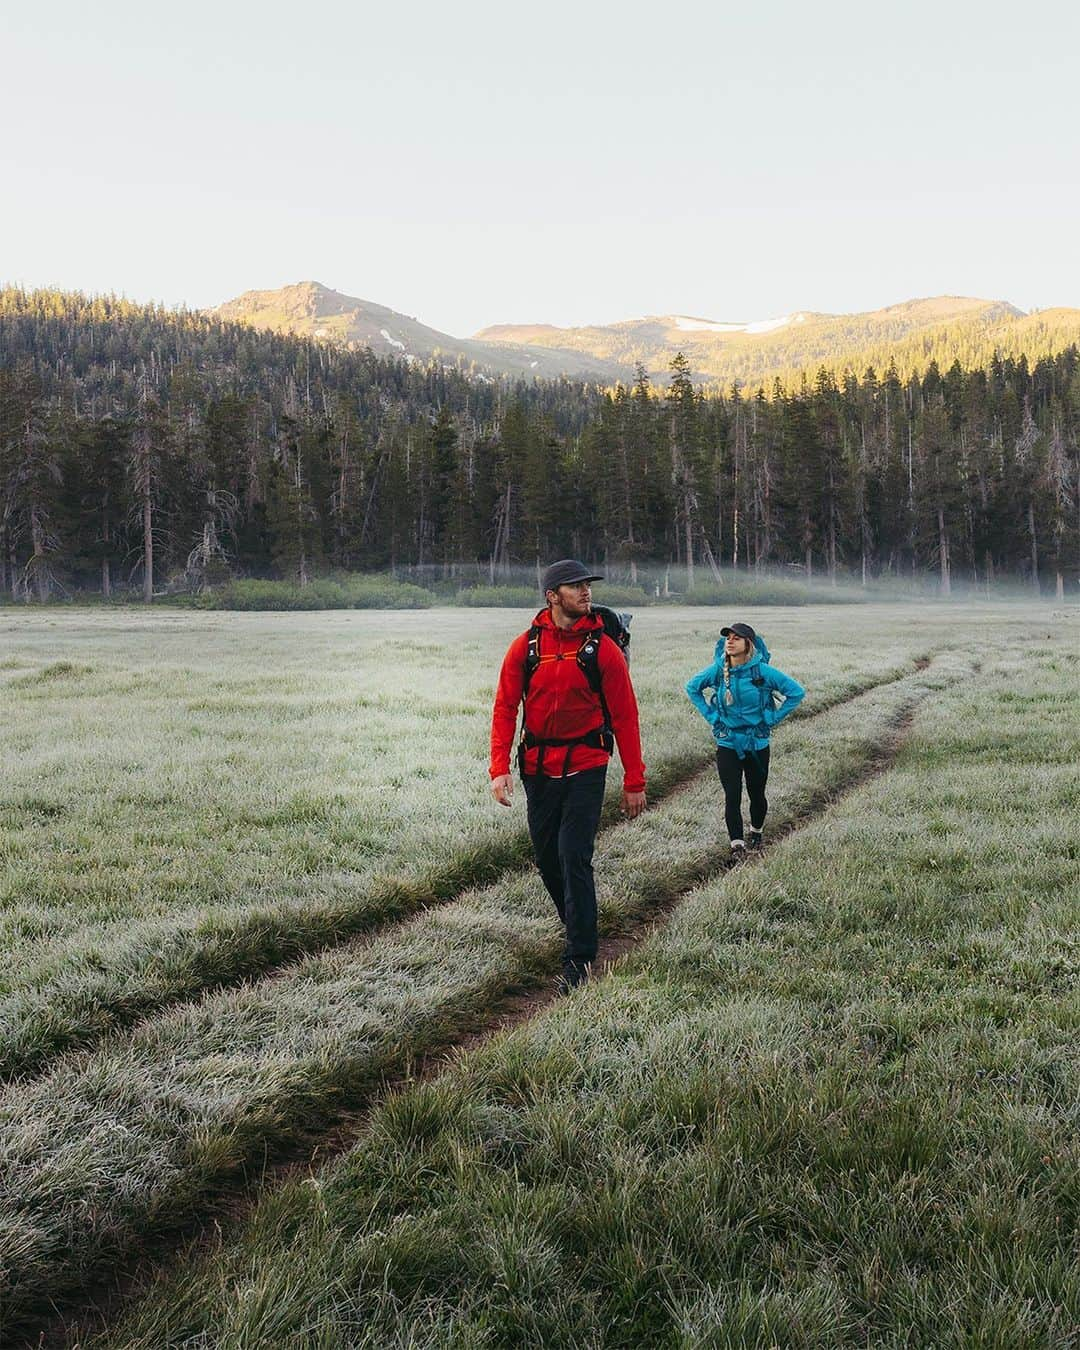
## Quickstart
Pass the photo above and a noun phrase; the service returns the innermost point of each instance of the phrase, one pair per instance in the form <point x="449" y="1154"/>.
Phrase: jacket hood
<point x="759" y="658"/>
<point x="586" y="624"/>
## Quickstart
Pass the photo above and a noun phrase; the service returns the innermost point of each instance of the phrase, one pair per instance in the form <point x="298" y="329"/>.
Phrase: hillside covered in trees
<point x="310" y="309"/>
<point x="141" y="447"/>
<point x="908" y="336"/>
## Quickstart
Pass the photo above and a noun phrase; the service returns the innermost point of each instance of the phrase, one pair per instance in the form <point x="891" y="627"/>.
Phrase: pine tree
<point x="805" y="480"/>
<point x="292" y="515"/>
<point x="652" y="486"/>
<point x="829" y="442"/>
<point x="936" y="489"/>
<point x="683" y="438"/>
<point x="103" y="450"/>
<point x="147" y="453"/>
<point x="441" y="472"/>
<point x="18" y="395"/>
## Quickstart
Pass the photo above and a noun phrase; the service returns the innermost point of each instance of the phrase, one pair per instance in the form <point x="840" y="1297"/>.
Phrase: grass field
<point x="195" y="799"/>
<point x="723" y="1142"/>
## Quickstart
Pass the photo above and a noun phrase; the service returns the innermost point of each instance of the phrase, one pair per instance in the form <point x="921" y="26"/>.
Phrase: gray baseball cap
<point x="564" y="573"/>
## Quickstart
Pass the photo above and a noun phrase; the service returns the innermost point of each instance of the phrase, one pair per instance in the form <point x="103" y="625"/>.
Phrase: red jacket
<point x="562" y="705"/>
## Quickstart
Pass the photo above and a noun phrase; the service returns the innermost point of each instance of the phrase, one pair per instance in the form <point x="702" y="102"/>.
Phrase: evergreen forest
<point x="152" y="450"/>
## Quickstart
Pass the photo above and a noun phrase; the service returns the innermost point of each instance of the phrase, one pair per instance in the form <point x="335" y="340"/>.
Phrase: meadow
<point x="190" y="800"/>
<point x="250" y="866"/>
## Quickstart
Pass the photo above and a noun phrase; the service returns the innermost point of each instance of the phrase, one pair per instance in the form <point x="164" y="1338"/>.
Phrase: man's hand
<point x="633" y="803"/>
<point x="502" y="789"/>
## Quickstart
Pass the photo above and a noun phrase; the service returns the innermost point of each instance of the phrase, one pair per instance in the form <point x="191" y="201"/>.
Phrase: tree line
<point x="144" y="448"/>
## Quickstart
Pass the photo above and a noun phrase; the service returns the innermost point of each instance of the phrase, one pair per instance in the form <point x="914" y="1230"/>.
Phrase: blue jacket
<point x="744" y="724"/>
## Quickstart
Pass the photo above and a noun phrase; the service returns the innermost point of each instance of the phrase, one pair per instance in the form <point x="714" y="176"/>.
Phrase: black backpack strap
<point x="588" y="658"/>
<point x="764" y="692"/>
<point x="532" y="660"/>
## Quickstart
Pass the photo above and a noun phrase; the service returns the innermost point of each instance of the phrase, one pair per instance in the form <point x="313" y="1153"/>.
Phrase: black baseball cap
<point x="564" y="573"/>
<point x="742" y="630"/>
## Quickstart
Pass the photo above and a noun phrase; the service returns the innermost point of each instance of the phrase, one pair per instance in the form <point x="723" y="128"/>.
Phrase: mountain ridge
<point x="311" y="309"/>
<point x="755" y="353"/>
<point x="760" y="350"/>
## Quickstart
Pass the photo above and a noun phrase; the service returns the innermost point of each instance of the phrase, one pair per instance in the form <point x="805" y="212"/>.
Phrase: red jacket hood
<point x="586" y="624"/>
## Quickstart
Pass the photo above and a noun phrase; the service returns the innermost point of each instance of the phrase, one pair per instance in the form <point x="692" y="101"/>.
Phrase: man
<point x="567" y="741"/>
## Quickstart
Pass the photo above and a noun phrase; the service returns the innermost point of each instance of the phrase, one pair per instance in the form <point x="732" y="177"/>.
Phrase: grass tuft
<point x="54" y="672"/>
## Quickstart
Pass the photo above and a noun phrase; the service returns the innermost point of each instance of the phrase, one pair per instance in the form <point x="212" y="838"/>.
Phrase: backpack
<point x="617" y="628"/>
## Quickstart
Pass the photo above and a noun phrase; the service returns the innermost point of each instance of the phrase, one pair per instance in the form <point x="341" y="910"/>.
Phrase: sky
<point x="568" y="163"/>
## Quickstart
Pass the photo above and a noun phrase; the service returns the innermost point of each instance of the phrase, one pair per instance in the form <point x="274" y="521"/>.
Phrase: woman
<point x="742" y="712"/>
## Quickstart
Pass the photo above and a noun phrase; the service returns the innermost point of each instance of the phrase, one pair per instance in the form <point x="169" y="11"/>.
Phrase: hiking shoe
<point x="738" y="850"/>
<point x="755" y="841"/>
<point x="572" y="976"/>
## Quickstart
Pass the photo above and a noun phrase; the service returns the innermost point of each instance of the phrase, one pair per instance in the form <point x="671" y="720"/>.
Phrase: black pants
<point x="564" y="814"/>
<point x="731" y="770"/>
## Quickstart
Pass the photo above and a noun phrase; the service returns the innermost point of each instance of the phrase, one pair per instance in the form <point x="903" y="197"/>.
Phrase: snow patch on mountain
<point x="770" y="325"/>
<point x="706" y="326"/>
<point x="392" y="340"/>
<point x="760" y="326"/>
